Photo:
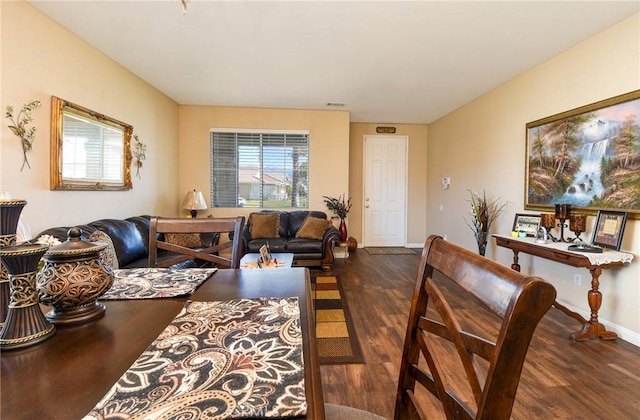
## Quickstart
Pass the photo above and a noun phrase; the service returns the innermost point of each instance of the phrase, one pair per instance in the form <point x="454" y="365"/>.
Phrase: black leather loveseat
<point x="130" y="239"/>
<point x="312" y="244"/>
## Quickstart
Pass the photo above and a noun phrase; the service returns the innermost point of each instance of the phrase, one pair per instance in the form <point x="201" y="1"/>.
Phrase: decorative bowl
<point x="74" y="276"/>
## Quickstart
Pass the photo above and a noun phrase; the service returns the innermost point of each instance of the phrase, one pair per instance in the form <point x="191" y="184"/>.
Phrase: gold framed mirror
<point x="89" y="151"/>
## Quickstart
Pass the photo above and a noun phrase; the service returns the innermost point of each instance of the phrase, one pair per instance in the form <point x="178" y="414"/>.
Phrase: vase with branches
<point x="340" y="207"/>
<point x="484" y="212"/>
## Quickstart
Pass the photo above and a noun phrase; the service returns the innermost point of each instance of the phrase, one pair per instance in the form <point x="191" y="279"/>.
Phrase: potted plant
<point x="340" y="208"/>
<point x="484" y="212"/>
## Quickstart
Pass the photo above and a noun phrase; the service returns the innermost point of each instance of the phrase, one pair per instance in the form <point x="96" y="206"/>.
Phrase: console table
<point x="595" y="263"/>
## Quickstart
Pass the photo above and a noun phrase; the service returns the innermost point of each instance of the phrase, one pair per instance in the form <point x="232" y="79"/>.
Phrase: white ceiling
<point x="387" y="61"/>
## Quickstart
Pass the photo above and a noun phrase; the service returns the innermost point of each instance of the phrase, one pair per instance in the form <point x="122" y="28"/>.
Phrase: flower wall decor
<point x="484" y="212"/>
<point x="19" y="127"/>
<point x="139" y="153"/>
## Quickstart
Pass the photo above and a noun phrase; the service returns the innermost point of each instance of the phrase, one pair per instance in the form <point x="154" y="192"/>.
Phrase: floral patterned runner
<point x="154" y="283"/>
<point x="217" y="360"/>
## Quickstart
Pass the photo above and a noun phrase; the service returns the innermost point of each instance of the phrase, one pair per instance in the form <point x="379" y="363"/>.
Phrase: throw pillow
<point x="264" y="225"/>
<point x="313" y="228"/>
<point x="186" y="240"/>
<point x="109" y="253"/>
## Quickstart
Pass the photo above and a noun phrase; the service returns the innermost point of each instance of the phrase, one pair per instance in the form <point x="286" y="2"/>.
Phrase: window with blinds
<point x="259" y="169"/>
<point x="91" y="151"/>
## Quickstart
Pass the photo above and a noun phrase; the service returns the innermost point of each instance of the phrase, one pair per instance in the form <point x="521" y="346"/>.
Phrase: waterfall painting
<point x="588" y="157"/>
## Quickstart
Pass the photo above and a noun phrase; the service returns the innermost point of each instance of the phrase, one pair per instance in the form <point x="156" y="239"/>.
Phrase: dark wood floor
<point x="561" y="379"/>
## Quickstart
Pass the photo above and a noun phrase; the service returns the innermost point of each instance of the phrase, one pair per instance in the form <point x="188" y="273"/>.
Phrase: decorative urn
<point x="74" y="276"/>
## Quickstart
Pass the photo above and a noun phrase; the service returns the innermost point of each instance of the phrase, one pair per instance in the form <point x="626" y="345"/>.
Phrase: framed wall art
<point x="527" y="223"/>
<point x="609" y="229"/>
<point x="588" y="157"/>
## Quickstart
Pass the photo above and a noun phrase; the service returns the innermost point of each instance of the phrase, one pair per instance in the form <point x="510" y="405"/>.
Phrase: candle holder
<point x="563" y="212"/>
<point x="548" y="221"/>
<point x="577" y="225"/>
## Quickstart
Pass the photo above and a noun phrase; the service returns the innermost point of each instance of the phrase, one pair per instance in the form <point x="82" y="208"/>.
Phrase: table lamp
<point x="194" y="201"/>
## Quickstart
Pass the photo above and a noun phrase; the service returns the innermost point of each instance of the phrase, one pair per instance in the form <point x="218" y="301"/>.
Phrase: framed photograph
<point x="587" y="157"/>
<point x="265" y="255"/>
<point x="609" y="229"/>
<point x="528" y="223"/>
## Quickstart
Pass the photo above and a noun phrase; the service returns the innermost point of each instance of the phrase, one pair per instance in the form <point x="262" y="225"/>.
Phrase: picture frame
<point x="265" y="256"/>
<point x="585" y="157"/>
<point x="527" y="223"/>
<point x="608" y="229"/>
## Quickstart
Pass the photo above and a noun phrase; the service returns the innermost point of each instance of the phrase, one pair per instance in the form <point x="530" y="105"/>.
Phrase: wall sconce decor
<point x="19" y="128"/>
<point x="139" y="154"/>
<point x="194" y="201"/>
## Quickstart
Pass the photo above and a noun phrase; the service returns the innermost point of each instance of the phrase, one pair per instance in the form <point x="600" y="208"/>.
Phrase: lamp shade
<point x="194" y="201"/>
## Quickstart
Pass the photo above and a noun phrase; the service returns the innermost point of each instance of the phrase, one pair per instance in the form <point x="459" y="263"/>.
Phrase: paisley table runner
<point x="217" y="360"/>
<point x="154" y="283"/>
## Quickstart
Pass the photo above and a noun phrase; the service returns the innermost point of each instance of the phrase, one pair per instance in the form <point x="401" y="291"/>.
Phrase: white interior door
<point x="385" y="168"/>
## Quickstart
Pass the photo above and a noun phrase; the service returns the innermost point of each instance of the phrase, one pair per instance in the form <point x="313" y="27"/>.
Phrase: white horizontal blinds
<point x="91" y="151"/>
<point x="265" y="169"/>
<point x="224" y="170"/>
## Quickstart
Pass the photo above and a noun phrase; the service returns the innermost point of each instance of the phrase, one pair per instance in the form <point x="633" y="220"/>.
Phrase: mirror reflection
<point x="89" y="151"/>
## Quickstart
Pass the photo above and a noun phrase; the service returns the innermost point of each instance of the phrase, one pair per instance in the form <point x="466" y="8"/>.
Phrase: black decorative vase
<point x="25" y="324"/>
<point x="10" y="211"/>
<point x="482" y="242"/>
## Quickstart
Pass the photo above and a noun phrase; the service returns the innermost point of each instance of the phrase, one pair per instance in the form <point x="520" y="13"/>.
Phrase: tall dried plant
<point x="484" y="213"/>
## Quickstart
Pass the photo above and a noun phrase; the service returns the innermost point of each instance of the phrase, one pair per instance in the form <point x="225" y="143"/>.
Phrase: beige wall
<point x="41" y="59"/>
<point x="416" y="179"/>
<point x="328" y="147"/>
<point x="481" y="146"/>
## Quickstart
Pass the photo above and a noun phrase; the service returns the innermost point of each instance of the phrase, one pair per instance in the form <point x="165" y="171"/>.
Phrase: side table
<point x="343" y="251"/>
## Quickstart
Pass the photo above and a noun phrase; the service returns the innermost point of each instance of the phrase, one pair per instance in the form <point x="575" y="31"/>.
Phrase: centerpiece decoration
<point x="484" y="212"/>
<point x="340" y="208"/>
<point x="19" y="128"/>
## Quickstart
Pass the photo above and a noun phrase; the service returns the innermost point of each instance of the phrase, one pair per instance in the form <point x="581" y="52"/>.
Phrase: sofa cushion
<point x="187" y="240"/>
<point x="143" y="224"/>
<point x="275" y="245"/>
<point x="297" y="217"/>
<point x="126" y="237"/>
<point x="313" y="228"/>
<point x="265" y="225"/>
<point x="109" y="253"/>
<point x="304" y="246"/>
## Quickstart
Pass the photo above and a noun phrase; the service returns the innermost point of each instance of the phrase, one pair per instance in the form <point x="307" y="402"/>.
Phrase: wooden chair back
<point x="212" y="253"/>
<point x="519" y="302"/>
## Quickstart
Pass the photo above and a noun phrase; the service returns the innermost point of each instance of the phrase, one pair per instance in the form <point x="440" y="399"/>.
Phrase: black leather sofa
<point x="130" y="239"/>
<point x="307" y="252"/>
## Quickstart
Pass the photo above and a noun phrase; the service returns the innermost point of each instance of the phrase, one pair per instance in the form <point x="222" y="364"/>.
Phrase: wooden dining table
<point x="65" y="376"/>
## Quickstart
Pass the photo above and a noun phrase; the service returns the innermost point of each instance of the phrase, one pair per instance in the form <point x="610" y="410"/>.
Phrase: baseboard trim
<point x="625" y="334"/>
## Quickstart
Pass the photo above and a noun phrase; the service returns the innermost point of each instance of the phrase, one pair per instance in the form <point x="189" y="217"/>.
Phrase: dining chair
<point x="450" y="362"/>
<point x="160" y="228"/>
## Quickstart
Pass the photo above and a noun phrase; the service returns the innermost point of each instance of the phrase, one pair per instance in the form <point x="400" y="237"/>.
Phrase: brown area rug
<point x="386" y="250"/>
<point x="336" y="336"/>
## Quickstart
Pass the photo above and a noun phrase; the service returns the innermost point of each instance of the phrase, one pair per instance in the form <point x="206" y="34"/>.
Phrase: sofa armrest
<point x="330" y="235"/>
